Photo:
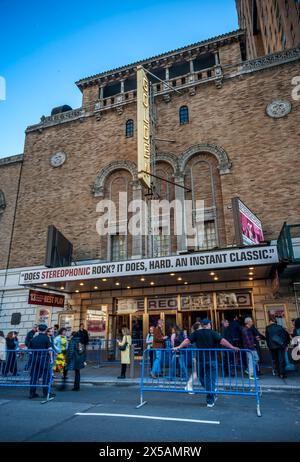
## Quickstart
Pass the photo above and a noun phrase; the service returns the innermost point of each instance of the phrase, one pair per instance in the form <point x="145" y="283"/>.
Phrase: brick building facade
<point x="271" y="25"/>
<point x="232" y="130"/>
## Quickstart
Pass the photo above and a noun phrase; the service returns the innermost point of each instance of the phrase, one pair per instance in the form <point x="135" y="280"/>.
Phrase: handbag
<point x="123" y="347"/>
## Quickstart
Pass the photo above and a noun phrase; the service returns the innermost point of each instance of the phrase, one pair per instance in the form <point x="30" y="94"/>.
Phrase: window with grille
<point x="161" y="244"/>
<point x="208" y="238"/>
<point x="118" y="247"/>
<point x="184" y="115"/>
<point x="129" y="128"/>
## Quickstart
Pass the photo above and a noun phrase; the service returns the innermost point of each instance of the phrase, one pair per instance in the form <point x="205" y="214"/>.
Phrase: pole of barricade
<point x="145" y="358"/>
<point x="132" y="361"/>
<point x="50" y="366"/>
<point x="257" y="388"/>
<point x="99" y="353"/>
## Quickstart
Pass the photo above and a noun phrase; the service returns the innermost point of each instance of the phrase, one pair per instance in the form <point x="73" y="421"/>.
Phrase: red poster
<point x="43" y="298"/>
<point x="96" y="325"/>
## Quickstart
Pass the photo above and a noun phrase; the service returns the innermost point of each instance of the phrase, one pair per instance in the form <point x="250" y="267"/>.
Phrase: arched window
<point x="2" y="201"/>
<point x="129" y="128"/>
<point x="184" y="115"/>
<point x="203" y="179"/>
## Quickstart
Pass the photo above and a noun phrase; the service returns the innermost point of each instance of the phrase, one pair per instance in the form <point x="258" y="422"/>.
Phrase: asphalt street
<point x="166" y="417"/>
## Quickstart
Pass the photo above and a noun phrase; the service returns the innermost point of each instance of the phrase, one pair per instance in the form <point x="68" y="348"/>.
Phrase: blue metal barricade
<point x="93" y="351"/>
<point x="103" y="351"/>
<point x="201" y="371"/>
<point x="109" y="352"/>
<point x="27" y="368"/>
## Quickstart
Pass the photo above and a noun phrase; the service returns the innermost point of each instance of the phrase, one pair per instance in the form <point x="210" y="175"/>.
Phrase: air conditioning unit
<point x="186" y="252"/>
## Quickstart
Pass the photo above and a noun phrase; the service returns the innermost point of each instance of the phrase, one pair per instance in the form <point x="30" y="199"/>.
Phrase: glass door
<point x="137" y="327"/>
<point x="230" y="315"/>
<point x="170" y="321"/>
<point x="153" y="318"/>
<point x="189" y="318"/>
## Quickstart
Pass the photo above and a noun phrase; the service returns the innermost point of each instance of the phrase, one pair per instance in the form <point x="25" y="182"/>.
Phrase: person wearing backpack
<point x="277" y="340"/>
<point x="76" y="357"/>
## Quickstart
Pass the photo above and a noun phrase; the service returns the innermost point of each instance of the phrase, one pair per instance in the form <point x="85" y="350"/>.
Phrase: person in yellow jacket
<point x="125" y="353"/>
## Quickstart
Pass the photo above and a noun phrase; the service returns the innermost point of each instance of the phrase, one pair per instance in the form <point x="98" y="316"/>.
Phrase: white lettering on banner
<point x="261" y="255"/>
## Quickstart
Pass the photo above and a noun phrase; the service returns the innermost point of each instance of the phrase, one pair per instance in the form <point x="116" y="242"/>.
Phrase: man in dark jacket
<point x="227" y="359"/>
<point x="83" y="334"/>
<point x="277" y="340"/>
<point x="40" y="362"/>
<point x="30" y="335"/>
<point x="235" y="332"/>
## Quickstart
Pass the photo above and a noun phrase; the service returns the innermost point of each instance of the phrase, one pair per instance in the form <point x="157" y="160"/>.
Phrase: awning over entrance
<point x="224" y="265"/>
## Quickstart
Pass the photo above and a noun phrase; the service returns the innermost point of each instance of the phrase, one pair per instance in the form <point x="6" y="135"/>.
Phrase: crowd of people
<point x="234" y="336"/>
<point x="69" y="354"/>
<point x="64" y="355"/>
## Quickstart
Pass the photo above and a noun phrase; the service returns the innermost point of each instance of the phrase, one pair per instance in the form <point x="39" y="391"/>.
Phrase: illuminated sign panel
<point x="248" y="228"/>
<point x="143" y="127"/>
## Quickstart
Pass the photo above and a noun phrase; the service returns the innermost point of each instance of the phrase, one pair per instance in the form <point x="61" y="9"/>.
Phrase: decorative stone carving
<point x="278" y="108"/>
<point x="271" y="60"/>
<point x="217" y="151"/>
<point x="60" y="118"/>
<point x="97" y="190"/>
<point x="219" y="76"/>
<point x="218" y="71"/>
<point x="98" y="187"/>
<point x="120" y="109"/>
<point x="192" y="91"/>
<point x="167" y="98"/>
<point x="58" y="159"/>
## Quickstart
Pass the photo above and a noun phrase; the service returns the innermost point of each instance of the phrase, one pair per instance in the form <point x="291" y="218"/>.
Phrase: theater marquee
<point x="234" y="258"/>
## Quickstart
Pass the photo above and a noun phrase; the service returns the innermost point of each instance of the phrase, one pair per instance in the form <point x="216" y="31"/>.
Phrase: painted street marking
<point x="150" y="417"/>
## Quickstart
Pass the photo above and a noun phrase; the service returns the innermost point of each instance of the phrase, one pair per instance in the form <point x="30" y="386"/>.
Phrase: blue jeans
<point x="207" y="375"/>
<point x="156" y="365"/>
<point x="182" y="365"/>
<point x="40" y="367"/>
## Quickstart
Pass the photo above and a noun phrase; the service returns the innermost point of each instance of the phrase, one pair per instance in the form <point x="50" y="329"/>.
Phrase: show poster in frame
<point x="43" y="316"/>
<point x="248" y="227"/>
<point x="278" y="312"/>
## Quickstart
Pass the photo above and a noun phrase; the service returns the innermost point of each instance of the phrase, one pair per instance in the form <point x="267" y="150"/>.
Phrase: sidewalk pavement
<point x="108" y="373"/>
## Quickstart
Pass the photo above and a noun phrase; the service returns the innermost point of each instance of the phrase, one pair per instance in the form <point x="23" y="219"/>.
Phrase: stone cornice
<point x="274" y="59"/>
<point x="162" y="59"/>
<point x="219" y="73"/>
<point x="11" y="160"/>
<point x="75" y="114"/>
